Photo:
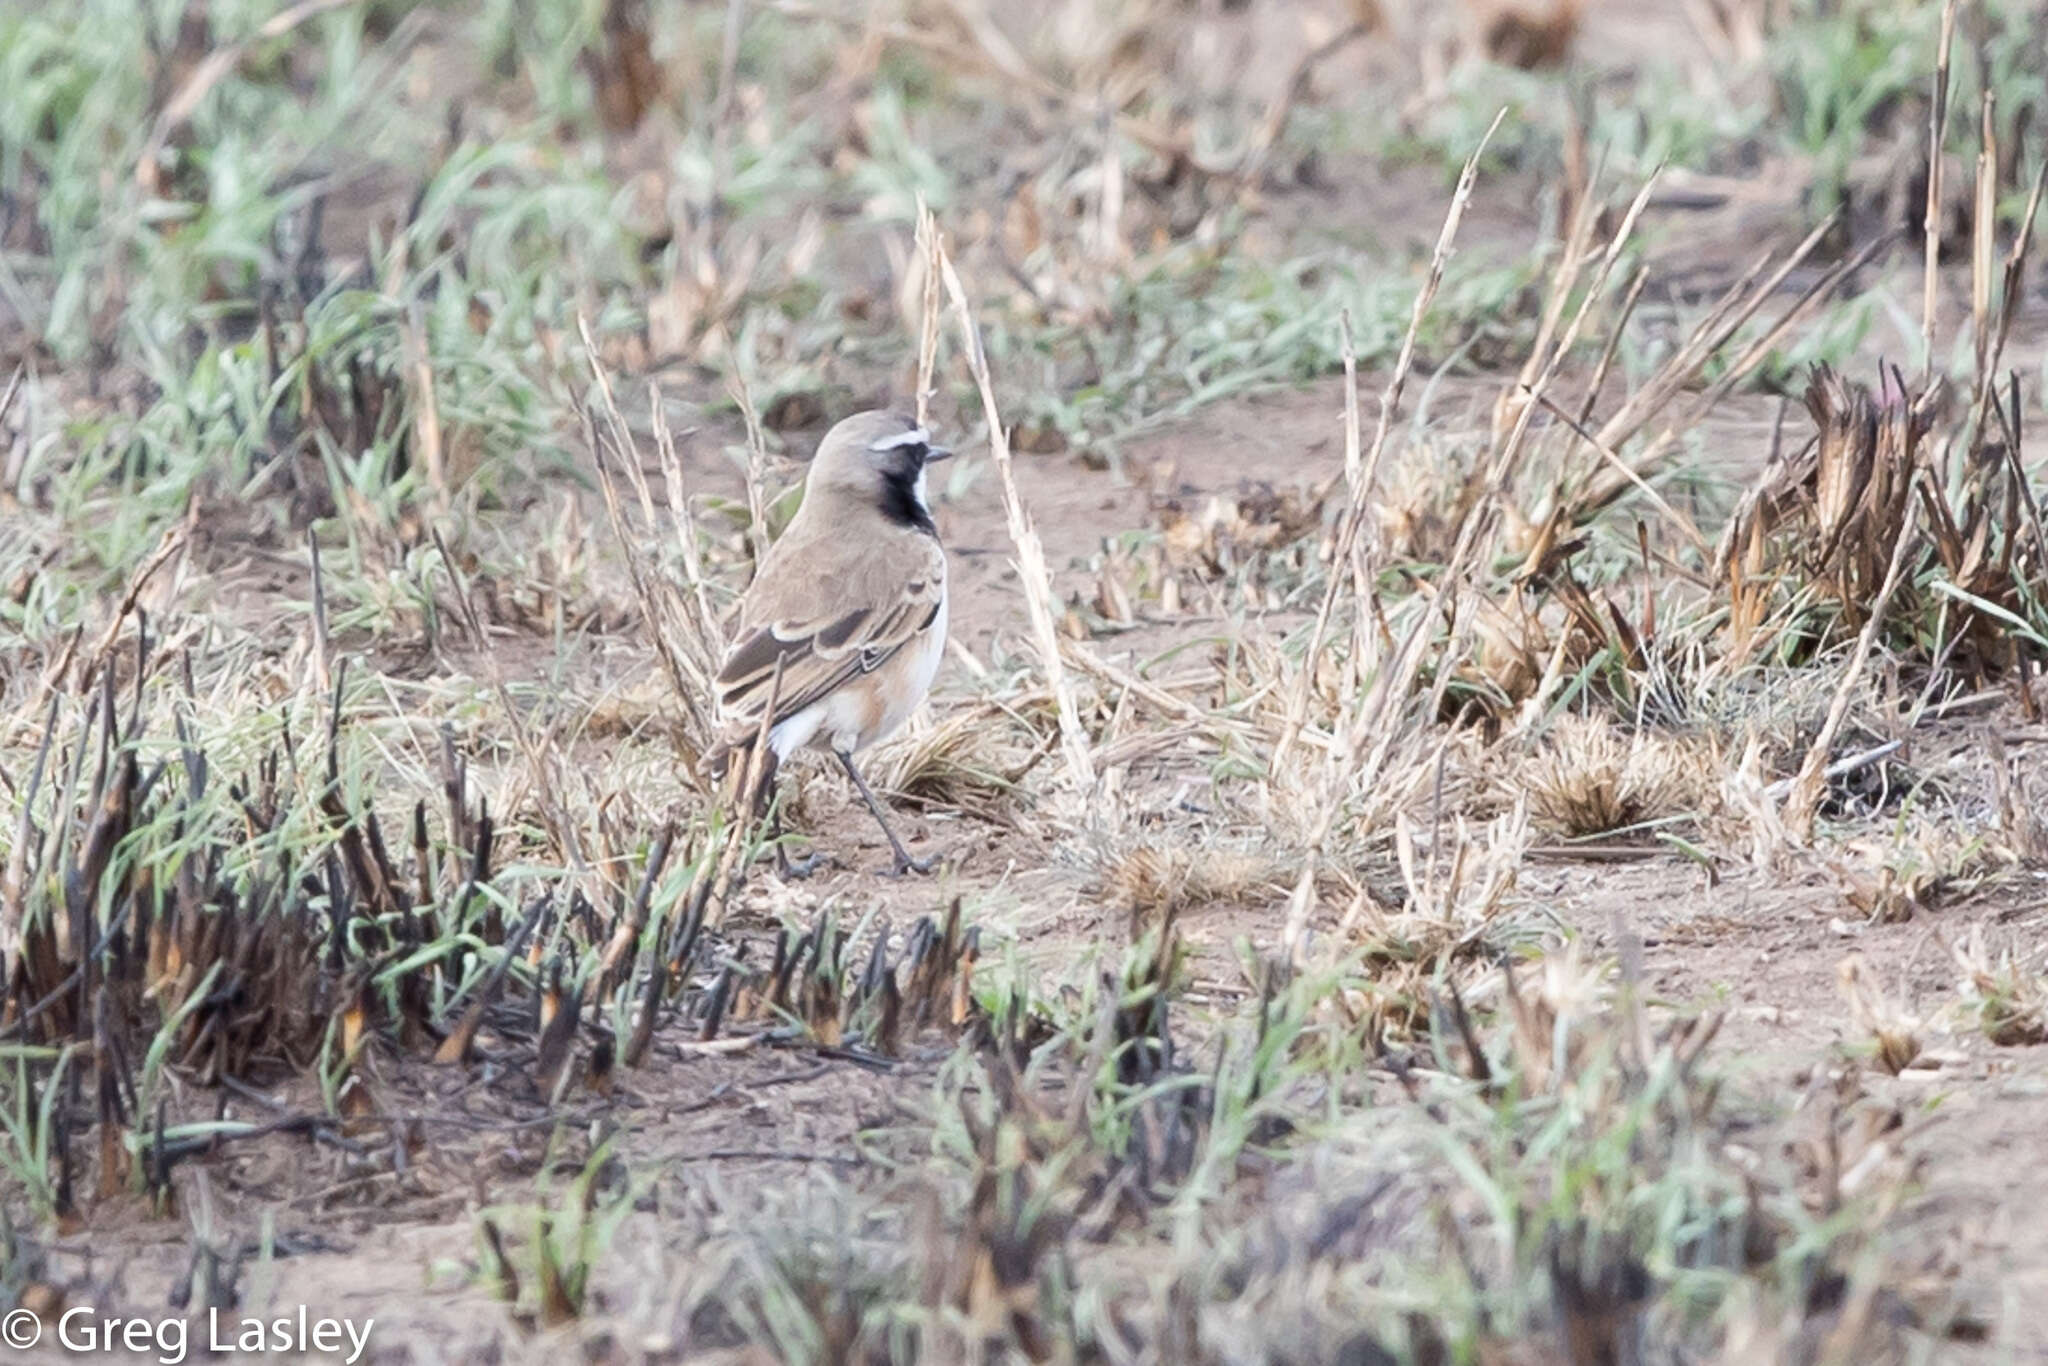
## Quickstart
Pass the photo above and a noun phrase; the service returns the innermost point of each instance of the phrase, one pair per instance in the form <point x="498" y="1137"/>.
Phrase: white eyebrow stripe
<point x="916" y="436"/>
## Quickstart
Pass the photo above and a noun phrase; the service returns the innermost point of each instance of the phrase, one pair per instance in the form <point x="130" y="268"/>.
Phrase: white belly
<point x="921" y="667"/>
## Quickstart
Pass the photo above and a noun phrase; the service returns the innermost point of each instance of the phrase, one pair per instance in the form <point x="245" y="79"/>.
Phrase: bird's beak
<point x="934" y="454"/>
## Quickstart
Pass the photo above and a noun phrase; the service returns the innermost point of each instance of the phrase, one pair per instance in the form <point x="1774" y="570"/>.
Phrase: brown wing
<point x="817" y="657"/>
<point x="827" y="607"/>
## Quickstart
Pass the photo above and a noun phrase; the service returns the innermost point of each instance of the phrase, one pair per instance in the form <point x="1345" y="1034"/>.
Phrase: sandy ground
<point x="396" y="1239"/>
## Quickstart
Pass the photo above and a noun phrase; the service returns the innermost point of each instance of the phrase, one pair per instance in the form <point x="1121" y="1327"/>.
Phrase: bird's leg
<point x="791" y="869"/>
<point x="904" y="862"/>
<point x="765" y="804"/>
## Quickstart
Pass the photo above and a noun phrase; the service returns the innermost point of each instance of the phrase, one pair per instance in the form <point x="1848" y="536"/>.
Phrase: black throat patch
<point x="901" y="506"/>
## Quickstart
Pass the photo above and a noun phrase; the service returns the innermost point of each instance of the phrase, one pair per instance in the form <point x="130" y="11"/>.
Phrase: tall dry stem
<point x="1032" y="571"/>
<point x="1356" y="510"/>
<point x="1930" y="223"/>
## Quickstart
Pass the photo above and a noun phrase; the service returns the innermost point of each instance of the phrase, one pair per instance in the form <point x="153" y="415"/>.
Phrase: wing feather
<point x="827" y="607"/>
<point x="818" y="657"/>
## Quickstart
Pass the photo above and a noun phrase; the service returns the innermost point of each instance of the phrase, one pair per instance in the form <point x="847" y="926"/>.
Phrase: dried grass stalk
<point x="689" y="672"/>
<point x="1354" y="518"/>
<point x="1033" y="574"/>
<point x="1930" y="223"/>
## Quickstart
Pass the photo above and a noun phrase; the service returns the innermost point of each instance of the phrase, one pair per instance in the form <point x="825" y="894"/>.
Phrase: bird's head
<point x="879" y="457"/>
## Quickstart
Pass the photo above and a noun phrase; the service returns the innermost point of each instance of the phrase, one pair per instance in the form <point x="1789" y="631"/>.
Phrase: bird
<point x="844" y="624"/>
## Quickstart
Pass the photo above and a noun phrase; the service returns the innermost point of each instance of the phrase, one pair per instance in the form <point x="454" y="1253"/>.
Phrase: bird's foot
<point x="906" y="864"/>
<point x="797" y="869"/>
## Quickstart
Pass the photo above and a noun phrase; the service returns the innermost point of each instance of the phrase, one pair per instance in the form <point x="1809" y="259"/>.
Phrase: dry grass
<point x="1156" y="881"/>
<point x="2002" y="998"/>
<point x="1589" y="778"/>
<point x="974" y="760"/>
<point x="354" y="815"/>
<point x="1891" y="1033"/>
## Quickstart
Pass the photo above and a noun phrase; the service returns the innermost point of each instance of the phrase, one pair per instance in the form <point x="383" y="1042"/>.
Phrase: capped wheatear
<point x="849" y="604"/>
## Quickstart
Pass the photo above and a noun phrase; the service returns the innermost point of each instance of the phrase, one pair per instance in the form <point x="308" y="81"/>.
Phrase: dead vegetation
<point x="1587" y="779"/>
<point x="369" y="541"/>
